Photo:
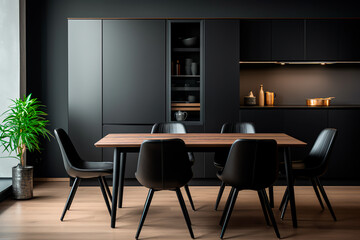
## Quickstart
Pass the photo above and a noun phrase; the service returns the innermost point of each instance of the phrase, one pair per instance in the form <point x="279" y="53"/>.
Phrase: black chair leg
<point x="228" y="212"/>
<point x="107" y="187"/>
<point x="323" y="193"/>
<point x="226" y="206"/>
<point x="285" y="206"/>
<point x="221" y="190"/>
<point x="189" y="196"/>
<point x="103" y="191"/>
<point x="317" y="192"/>
<point x="185" y="212"/>
<point x="270" y="212"/>
<point x="262" y="201"/>
<point x="71" y="197"/>
<point x="146" y="209"/>
<point x="283" y="199"/>
<point x="271" y="196"/>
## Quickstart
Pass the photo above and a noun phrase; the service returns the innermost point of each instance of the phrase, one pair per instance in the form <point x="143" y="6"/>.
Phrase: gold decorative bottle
<point x="261" y="96"/>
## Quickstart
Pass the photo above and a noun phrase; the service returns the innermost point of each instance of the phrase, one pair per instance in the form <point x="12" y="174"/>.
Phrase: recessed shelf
<point x="185" y="109"/>
<point x="185" y="88"/>
<point x="186" y="50"/>
<point x="185" y="76"/>
<point x="185" y="104"/>
<point x="301" y="107"/>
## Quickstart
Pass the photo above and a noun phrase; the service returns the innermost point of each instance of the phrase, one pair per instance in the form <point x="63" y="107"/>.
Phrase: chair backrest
<point x="168" y="127"/>
<point x="243" y="127"/>
<point x="318" y="157"/>
<point x="69" y="154"/>
<point x="163" y="164"/>
<point x="251" y="164"/>
<point x="172" y="127"/>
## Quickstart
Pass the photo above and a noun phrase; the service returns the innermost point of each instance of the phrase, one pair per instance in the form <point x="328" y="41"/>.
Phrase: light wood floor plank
<point x="88" y="218"/>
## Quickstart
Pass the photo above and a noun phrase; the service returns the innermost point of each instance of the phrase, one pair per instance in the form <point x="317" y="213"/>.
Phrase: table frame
<point x="121" y="149"/>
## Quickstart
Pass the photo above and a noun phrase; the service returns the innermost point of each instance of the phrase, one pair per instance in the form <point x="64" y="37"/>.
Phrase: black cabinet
<point x="349" y="39"/>
<point x="255" y="40"/>
<point x="322" y="40"/>
<point x="288" y="40"/>
<point x="222" y="73"/>
<point x="344" y="159"/>
<point x="306" y="124"/>
<point x="133" y="71"/>
<point x="84" y="84"/>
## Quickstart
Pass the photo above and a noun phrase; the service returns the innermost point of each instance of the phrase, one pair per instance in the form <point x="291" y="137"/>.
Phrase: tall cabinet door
<point x="84" y="69"/>
<point x="133" y="71"/>
<point x="221" y="79"/>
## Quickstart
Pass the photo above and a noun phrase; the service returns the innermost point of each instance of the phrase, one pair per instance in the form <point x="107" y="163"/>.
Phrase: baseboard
<point x="5" y="188"/>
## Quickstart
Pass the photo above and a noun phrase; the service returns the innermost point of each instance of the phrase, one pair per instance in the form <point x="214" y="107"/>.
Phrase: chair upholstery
<point x="172" y="127"/>
<point x="314" y="166"/>
<point x="176" y="127"/>
<point x="163" y="165"/>
<point x="245" y="127"/>
<point x="251" y="165"/>
<point x="79" y="169"/>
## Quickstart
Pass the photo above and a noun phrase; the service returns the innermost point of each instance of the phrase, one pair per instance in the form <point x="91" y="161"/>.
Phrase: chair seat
<point x="92" y="169"/>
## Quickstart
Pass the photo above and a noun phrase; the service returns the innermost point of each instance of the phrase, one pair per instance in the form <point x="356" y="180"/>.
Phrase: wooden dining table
<point x="195" y="142"/>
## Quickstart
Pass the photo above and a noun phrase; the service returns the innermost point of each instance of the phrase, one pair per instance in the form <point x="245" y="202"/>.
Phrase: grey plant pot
<point x="22" y="182"/>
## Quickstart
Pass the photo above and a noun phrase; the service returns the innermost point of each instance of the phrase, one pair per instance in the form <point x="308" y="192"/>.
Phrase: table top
<point x="204" y="140"/>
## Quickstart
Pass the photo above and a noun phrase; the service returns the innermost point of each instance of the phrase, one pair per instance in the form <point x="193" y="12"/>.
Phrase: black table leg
<point x="122" y="176"/>
<point x="290" y="184"/>
<point x="115" y="185"/>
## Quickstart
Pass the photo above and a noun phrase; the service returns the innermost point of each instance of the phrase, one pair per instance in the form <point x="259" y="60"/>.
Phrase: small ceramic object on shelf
<point x="270" y="98"/>
<point x="188" y="62"/>
<point x="191" y="98"/>
<point x="189" y="42"/>
<point x="194" y="68"/>
<point x="250" y="100"/>
<point x="180" y="116"/>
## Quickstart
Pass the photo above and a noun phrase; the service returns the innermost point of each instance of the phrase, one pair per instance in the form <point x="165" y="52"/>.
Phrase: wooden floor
<point x="88" y="218"/>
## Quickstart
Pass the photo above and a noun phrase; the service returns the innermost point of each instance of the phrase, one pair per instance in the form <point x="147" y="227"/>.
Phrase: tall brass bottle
<point x="261" y="96"/>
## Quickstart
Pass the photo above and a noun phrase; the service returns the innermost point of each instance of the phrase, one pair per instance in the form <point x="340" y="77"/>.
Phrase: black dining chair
<point x="251" y="165"/>
<point x="314" y="166"/>
<point x="175" y="127"/>
<point x="164" y="165"/>
<point x="221" y="155"/>
<point x="79" y="169"/>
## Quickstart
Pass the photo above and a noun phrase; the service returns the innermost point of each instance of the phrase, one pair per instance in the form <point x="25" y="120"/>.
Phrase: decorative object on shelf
<point x="261" y="96"/>
<point x="319" y="101"/>
<point x="180" y="116"/>
<point x="188" y="62"/>
<point x="178" y="67"/>
<point x="270" y="98"/>
<point x="250" y="100"/>
<point x="189" y="42"/>
<point x="21" y="129"/>
<point x="194" y="68"/>
<point x="191" y="98"/>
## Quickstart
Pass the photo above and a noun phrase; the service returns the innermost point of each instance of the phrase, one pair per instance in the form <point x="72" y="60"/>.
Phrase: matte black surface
<point x="255" y="40"/>
<point x="349" y="38"/>
<point x="343" y="163"/>
<point x="222" y="78"/>
<point x="322" y="40"/>
<point x="304" y="125"/>
<point x="266" y="121"/>
<point x="133" y="71"/>
<point x="288" y="40"/>
<point x="85" y="83"/>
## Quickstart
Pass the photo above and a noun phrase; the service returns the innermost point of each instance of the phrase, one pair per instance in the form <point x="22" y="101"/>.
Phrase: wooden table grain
<point x="204" y="142"/>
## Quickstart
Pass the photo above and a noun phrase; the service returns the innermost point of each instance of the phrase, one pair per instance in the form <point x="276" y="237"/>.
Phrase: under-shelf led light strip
<point x="298" y="63"/>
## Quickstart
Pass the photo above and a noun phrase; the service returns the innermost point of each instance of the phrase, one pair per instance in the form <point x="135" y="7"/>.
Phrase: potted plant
<point x="23" y="125"/>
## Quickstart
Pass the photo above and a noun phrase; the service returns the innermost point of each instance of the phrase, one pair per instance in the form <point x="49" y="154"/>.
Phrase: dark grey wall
<point x="294" y="83"/>
<point x="47" y="42"/>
